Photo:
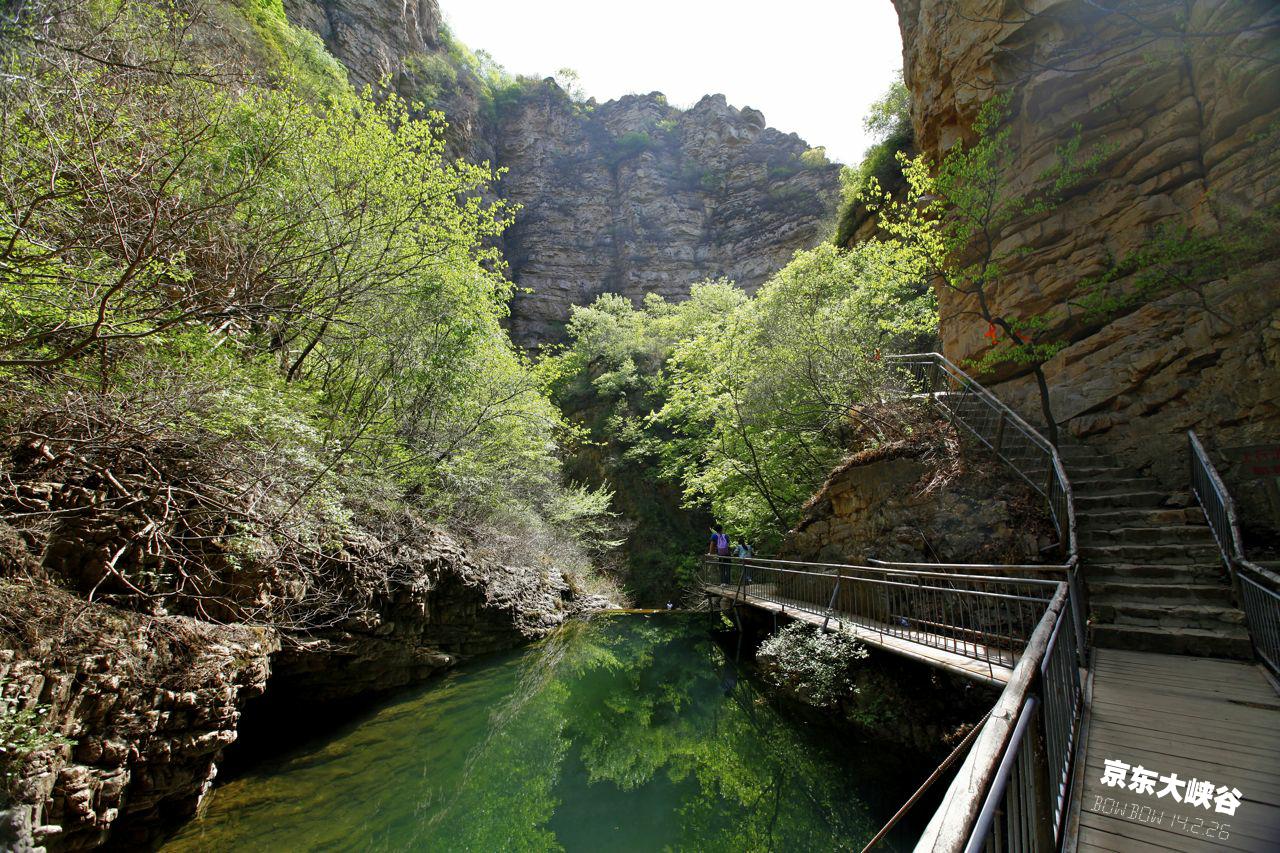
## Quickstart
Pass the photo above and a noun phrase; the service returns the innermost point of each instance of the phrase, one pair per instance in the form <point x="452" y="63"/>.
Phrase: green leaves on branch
<point x="324" y="268"/>
<point x="747" y="403"/>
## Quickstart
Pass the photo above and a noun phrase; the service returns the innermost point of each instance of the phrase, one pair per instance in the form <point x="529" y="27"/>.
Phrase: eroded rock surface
<point x="637" y="197"/>
<point x="149" y="702"/>
<point x="152" y="701"/>
<point x="1184" y="98"/>
<point x="909" y="505"/>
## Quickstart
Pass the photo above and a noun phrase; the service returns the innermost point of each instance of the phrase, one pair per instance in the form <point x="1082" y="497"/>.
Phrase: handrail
<point x="979" y="617"/>
<point x="1042" y="703"/>
<point x="1207" y="483"/>
<point x="1056" y="490"/>
<point x="1257" y="589"/>
<point x="971" y="567"/>
<point x="1061" y="503"/>
<point x="881" y="570"/>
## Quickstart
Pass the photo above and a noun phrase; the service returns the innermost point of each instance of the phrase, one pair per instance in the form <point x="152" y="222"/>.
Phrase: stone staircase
<point x="1155" y="578"/>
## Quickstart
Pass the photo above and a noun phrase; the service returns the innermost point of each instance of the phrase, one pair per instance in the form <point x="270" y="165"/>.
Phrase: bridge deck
<point x="1198" y="718"/>
<point x="919" y="645"/>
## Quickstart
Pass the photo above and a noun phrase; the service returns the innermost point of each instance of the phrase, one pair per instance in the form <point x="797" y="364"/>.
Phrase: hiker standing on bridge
<point x="719" y="547"/>
<point x="744" y="552"/>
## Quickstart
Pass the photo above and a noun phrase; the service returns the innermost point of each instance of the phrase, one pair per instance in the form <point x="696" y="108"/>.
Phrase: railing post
<point x="832" y="603"/>
<point x="999" y="439"/>
<point x="1041" y="791"/>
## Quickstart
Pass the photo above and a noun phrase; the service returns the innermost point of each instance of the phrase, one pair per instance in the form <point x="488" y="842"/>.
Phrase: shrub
<point x="816" y="666"/>
<point x="630" y="145"/>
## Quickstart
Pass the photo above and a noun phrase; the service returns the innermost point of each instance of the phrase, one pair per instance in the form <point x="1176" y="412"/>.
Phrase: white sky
<point x="811" y="66"/>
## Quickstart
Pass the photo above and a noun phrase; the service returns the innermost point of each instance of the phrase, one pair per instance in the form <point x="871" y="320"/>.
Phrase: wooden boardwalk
<point x="1197" y="719"/>
<point x="933" y="649"/>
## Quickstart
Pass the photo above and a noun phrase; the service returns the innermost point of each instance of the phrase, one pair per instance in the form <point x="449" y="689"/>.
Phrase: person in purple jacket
<point x="719" y="547"/>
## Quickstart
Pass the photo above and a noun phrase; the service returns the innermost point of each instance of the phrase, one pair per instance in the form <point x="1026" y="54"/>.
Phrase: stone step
<point x="1163" y="614"/>
<point x="1093" y="488"/>
<point x="1110" y="555"/>
<point x="1141" y="572"/>
<point x="1159" y="590"/>
<point x="1118" y="500"/>
<point x="1083" y="454"/>
<point x="1099" y="472"/>
<point x="1225" y="643"/>
<point x="1168" y="534"/>
<point x="1109" y="519"/>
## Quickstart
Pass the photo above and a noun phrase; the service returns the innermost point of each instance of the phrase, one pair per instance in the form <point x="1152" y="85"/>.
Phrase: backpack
<point x="722" y="543"/>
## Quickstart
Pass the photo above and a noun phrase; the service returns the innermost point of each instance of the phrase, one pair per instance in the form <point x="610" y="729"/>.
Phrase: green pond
<point x="625" y="732"/>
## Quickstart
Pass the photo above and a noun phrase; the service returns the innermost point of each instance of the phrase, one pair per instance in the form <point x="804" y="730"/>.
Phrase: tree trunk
<point x="1046" y="408"/>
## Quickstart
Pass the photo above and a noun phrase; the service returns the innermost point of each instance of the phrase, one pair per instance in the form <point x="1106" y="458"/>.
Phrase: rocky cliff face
<point x="148" y="704"/>
<point x="1185" y="99"/>
<point x="632" y="196"/>
<point x="636" y="197"/>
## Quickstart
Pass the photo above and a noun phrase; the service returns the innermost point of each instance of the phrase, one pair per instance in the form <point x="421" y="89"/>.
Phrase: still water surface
<point x="622" y="733"/>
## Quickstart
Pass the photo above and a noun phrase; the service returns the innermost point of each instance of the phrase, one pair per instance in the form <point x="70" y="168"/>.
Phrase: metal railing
<point x="1256" y="589"/>
<point x="977" y="616"/>
<point x="1001" y="429"/>
<point x="1018" y="444"/>
<point x="1013" y="791"/>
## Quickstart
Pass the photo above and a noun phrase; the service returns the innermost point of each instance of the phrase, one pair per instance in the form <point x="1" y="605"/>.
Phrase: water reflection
<point x="622" y="733"/>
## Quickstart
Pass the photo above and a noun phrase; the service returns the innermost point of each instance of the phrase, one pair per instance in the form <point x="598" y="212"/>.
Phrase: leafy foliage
<point x="299" y="298"/>
<point x="817" y="665"/>
<point x="889" y="121"/>
<point x="745" y="403"/>
<point x="953" y="219"/>
<point x="24" y="728"/>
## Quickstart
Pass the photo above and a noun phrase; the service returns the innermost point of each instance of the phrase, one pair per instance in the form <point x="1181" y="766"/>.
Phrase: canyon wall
<point x="1183" y="99"/>
<point x="632" y="196"/>
<point x="637" y="197"/>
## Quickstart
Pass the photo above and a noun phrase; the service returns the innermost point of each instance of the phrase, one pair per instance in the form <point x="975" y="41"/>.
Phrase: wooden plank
<point x="1188" y="833"/>
<point x="1232" y="755"/>
<point x="1259" y="786"/>
<point x="1228" y="716"/>
<point x="1097" y="839"/>
<point x="1159" y="740"/>
<point x="1134" y="731"/>
<point x="1197" y="717"/>
<point x="1139" y="836"/>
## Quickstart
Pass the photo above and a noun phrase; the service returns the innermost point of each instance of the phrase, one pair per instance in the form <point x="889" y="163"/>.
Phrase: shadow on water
<point x="625" y="732"/>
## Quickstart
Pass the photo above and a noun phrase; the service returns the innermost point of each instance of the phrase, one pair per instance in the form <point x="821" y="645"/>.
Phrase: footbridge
<point x="1119" y="726"/>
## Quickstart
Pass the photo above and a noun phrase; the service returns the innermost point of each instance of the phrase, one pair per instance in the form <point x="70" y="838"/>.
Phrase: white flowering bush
<point x="815" y="666"/>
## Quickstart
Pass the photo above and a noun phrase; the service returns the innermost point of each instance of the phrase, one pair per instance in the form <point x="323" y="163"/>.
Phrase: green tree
<point x="953" y="221"/>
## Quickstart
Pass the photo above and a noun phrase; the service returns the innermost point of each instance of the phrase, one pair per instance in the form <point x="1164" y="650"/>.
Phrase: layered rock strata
<point x="636" y="197"/>
<point x="147" y="703"/>
<point x="1183" y="98"/>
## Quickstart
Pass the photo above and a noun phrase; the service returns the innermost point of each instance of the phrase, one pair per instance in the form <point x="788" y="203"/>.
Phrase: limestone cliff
<point x="637" y="197"/>
<point x="152" y="689"/>
<point x="151" y="702"/>
<point x="632" y="196"/>
<point x="1185" y="99"/>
